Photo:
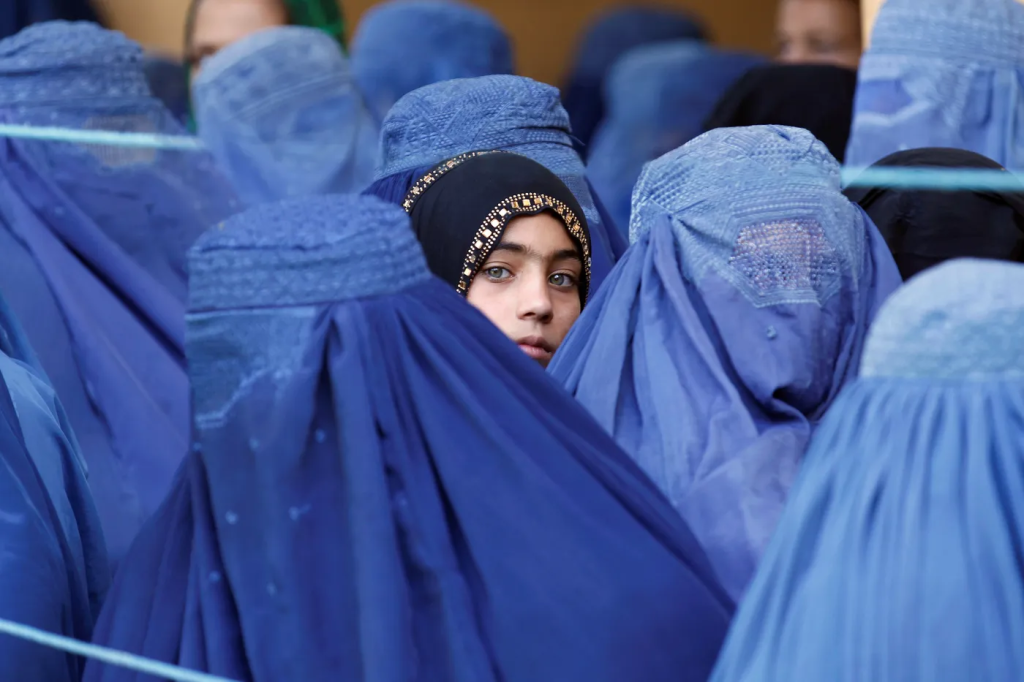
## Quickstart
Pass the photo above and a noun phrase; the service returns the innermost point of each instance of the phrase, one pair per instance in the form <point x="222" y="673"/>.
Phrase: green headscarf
<point x="325" y="15"/>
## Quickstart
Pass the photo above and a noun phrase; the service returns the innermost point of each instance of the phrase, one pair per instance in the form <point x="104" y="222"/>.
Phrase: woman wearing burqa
<point x="898" y="556"/>
<point x="281" y="113"/>
<point x="92" y="247"/>
<point x="381" y="486"/>
<point x="725" y="332"/>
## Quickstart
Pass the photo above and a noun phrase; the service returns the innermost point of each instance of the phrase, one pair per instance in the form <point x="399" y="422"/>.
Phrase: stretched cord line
<point x="122" y="659"/>
<point x="938" y="179"/>
<point x="102" y="137"/>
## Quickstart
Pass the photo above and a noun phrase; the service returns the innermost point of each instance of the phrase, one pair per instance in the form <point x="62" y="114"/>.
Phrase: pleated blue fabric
<point x="54" y="570"/>
<point x="728" y="328"/>
<point x="942" y="73"/>
<point x="657" y="98"/>
<point x="93" y="241"/>
<point x="509" y="113"/>
<point x="402" y="45"/>
<point x="280" y="112"/>
<point x="898" y="556"/>
<point x="384" y="487"/>
<point x="612" y="36"/>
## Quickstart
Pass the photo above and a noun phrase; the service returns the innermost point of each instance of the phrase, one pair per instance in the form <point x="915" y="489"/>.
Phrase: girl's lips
<point x="535" y="352"/>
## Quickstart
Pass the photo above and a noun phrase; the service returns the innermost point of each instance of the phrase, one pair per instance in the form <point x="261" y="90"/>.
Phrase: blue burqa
<point x="613" y="35"/>
<point x="92" y="256"/>
<point x="402" y="45"/>
<point x="280" y="112"/>
<point x="383" y="487"/>
<point x="53" y="571"/>
<point x="511" y="113"/>
<point x="728" y="328"/>
<point x="942" y="73"/>
<point x="899" y="555"/>
<point x="657" y="98"/>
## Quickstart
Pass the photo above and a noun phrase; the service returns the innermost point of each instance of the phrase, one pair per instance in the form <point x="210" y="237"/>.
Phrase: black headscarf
<point x="462" y="206"/>
<point x="924" y="228"/>
<point x="816" y="97"/>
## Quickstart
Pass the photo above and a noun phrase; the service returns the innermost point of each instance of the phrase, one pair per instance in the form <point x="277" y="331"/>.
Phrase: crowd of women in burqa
<point x="417" y="369"/>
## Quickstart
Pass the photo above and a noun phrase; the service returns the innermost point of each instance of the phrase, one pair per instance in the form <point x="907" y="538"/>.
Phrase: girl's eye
<point x="496" y="272"/>
<point x="562" y="279"/>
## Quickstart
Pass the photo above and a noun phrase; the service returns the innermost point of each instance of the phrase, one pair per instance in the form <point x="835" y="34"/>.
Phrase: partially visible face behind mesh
<point x="775" y="251"/>
<point x="119" y="157"/>
<point x="787" y="255"/>
<point x="153" y="203"/>
<point x="761" y="208"/>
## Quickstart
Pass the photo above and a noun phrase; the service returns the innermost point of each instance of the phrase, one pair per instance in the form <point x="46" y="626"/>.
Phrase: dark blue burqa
<point x="382" y="487"/>
<point x="53" y="563"/>
<point x="92" y="256"/>
<point x="18" y="14"/>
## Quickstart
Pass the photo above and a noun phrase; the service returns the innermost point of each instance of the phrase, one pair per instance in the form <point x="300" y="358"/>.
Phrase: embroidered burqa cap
<point x="509" y="113"/>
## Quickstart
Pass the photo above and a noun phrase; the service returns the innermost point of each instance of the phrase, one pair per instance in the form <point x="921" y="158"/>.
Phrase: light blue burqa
<point x="727" y="329"/>
<point x="402" y="45"/>
<point x="899" y="554"/>
<point x="281" y="113"/>
<point x="942" y="73"/>
<point x="656" y="99"/>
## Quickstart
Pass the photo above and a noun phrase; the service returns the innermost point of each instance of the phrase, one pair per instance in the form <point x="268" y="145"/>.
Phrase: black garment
<point x="816" y="97"/>
<point x="462" y="206"/>
<point x="924" y="228"/>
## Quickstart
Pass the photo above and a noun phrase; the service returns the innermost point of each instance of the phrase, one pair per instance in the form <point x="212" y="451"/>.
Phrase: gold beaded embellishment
<point x="489" y="232"/>
<point x="527" y="203"/>
<point x="421" y="185"/>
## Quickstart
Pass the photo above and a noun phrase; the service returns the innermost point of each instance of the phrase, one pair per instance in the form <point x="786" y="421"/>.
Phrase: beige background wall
<point x="869" y="9"/>
<point x="544" y="30"/>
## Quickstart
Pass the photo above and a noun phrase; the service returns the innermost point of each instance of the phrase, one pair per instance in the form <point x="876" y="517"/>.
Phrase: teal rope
<point x="107" y="138"/>
<point x="938" y="179"/>
<point x="112" y="656"/>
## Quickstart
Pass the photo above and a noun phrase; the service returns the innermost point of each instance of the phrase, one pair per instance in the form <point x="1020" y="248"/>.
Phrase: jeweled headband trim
<point x="421" y="185"/>
<point x="527" y="203"/>
<point x="489" y="232"/>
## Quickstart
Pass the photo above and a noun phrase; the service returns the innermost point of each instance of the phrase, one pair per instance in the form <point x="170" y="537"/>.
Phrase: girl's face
<point x="529" y="287"/>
